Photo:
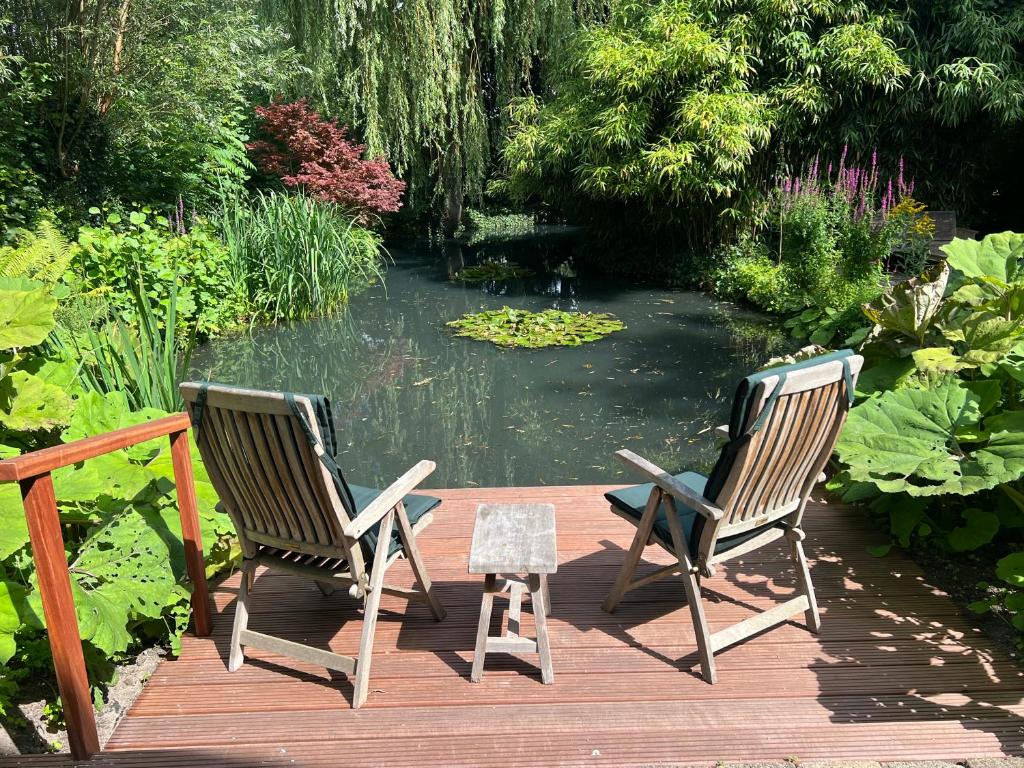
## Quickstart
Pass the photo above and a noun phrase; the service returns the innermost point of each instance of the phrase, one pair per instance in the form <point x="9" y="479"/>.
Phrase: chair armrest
<point x="722" y="431"/>
<point x="669" y="484"/>
<point x="389" y="499"/>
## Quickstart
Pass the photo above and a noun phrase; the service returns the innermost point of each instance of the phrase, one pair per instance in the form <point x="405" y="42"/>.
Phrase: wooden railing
<point x="32" y="472"/>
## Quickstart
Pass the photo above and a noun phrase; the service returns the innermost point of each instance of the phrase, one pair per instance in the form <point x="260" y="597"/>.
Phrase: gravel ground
<point x="32" y="735"/>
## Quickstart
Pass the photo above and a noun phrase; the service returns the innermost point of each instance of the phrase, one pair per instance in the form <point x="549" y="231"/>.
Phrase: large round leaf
<point x="26" y="317"/>
<point x="915" y="441"/>
<point x="996" y="256"/>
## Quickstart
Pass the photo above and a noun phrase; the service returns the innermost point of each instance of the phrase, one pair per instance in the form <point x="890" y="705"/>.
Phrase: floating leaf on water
<point x="509" y="327"/>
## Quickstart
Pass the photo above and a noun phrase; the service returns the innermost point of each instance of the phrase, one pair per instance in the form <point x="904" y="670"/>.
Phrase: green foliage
<point x="145" y="361"/>
<point x="294" y="256"/>
<point x="483" y="227"/>
<point x="492" y="271"/>
<point x="508" y="327"/>
<point x="141" y="100"/>
<point x="673" y="108"/>
<point x="426" y="82"/>
<point x="937" y="443"/>
<point x="126" y="559"/>
<point x="142" y="248"/>
<point x="927" y="442"/>
<point x="820" y="257"/>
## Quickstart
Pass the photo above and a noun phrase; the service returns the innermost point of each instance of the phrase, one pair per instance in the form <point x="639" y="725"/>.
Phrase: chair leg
<point x="237" y="655"/>
<point x="692" y="586"/>
<point x="636" y="550"/>
<point x="700" y="626"/>
<point x="371" y="606"/>
<point x="803" y="574"/>
<point x="325" y="589"/>
<point x="419" y="570"/>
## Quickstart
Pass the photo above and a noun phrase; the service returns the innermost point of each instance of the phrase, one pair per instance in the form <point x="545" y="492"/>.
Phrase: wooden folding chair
<point x="785" y="422"/>
<point x="270" y="456"/>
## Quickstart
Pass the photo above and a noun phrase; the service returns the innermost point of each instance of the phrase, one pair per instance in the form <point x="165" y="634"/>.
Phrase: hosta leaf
<point x="26" y="317"/>
<point x="29" y="403"/>
<point x="995" y="256"/>
<point x="910" y="440"/>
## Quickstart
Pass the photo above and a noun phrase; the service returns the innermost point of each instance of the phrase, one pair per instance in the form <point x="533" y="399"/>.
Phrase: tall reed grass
<point x="146" y="359"/>
<point x="297" y="257"/>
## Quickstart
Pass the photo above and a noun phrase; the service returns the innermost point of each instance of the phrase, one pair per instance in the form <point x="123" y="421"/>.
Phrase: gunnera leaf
<point x="995" y="256"/>
<point x="26" y="317"/>
<point x="927" y="442"/>
<point x="908" y="309"/>
<point x="29" y="403"/>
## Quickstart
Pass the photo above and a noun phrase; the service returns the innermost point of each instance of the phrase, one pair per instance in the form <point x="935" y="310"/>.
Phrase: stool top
<point x="514" y="538"/>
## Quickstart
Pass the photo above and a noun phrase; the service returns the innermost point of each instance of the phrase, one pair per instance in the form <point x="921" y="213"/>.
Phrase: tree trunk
<point x="453" y="196"/>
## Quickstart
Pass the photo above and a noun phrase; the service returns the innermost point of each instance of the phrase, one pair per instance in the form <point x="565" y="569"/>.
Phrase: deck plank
<point x="899" y="671"/>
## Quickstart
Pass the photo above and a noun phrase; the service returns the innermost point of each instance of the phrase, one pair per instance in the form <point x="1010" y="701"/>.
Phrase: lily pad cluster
<point x="492" y="271"/>
<point x="509" y="327"/>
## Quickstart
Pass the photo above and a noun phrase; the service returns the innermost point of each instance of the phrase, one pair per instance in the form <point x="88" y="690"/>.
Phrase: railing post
<point x="190" y="534"/>
<point x="59" y="609"/>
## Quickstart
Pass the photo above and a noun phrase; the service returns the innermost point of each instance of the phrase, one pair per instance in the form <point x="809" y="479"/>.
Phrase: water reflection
<point x="403" y="388"/>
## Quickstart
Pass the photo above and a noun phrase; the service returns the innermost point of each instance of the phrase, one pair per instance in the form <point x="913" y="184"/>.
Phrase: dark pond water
<point x="403" y="388"/>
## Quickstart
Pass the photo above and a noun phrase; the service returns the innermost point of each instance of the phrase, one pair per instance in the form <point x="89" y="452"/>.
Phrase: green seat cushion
<point x="632" y="501"/>
<point x="416" y="506"/>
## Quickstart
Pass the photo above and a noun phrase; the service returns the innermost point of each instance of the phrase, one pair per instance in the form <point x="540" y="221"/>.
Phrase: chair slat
<point x="226" y="450"/>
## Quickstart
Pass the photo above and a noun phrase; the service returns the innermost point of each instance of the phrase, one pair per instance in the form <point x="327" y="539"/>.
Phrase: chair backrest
<point x="256" y="447"/>
<point x="785" y="424"/>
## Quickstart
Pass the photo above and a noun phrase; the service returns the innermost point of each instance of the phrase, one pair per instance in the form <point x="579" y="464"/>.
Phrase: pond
<point x="403" y="388"/>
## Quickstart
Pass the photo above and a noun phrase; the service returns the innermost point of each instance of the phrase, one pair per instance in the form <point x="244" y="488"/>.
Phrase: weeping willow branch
<point x="425" y="82"/>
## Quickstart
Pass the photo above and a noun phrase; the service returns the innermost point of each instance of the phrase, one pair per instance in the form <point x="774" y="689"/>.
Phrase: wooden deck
<point x="897" y="673"/>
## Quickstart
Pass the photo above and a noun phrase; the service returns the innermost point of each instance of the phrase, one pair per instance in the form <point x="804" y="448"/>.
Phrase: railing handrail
<point x="32" y="472"/>
<point x="48" y="459"/>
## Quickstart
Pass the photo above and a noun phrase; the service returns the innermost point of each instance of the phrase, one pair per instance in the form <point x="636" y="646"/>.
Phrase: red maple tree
<point x="306" y="151"/>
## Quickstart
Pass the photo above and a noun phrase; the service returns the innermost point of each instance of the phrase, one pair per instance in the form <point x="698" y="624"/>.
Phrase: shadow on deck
<point x="898" y="672"/>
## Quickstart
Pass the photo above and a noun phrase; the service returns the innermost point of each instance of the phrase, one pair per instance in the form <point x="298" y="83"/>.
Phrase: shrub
<point x="315" y="155"/>
<point x="829" y="237"/>
<point x="146" y="247"/>
<point x="937" y="444"/>
<point x="297" y="256"/>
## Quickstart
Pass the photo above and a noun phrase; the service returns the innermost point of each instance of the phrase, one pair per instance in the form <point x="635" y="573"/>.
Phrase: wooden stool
<point x="511" y="539"/>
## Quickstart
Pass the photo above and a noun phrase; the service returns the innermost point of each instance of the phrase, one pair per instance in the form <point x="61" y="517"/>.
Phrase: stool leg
<point x="540" y="614"/>
<point x="483" y="627"/>
<point x="547" y="593"/>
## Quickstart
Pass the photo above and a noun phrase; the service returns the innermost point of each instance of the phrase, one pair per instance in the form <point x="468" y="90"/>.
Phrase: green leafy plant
<point x="508" y="327"/>
<point x="146" y="360"/>
<point x="163" y="255"/>
<point x="296" y="256"/>
<point x="126" y="558"/>
<point x="492" y="271"/>
<point x="937" y="442"/>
